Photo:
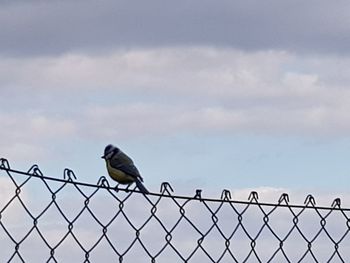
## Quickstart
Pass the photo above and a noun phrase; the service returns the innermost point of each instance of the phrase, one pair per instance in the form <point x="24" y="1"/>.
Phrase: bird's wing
<point x="141" y="187"/>
<point x="128" y="168"/>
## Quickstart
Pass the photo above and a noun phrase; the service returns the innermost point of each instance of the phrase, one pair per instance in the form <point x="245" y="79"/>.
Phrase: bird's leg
<point x="127" y="188"/>
<point x="116" y="188"/>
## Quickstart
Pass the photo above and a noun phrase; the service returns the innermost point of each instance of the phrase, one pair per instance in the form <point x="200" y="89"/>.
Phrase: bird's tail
<point x="141" y="187"/>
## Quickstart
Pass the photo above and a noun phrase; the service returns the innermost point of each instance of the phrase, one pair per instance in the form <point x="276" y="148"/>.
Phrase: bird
<point x="121" y="168"/>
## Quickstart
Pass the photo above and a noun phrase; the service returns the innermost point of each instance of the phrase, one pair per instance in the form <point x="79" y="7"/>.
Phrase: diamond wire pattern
<point x="79" y="222"/>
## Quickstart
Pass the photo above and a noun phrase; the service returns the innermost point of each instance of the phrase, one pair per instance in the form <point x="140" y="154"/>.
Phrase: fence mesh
<point x="44" y="219"/>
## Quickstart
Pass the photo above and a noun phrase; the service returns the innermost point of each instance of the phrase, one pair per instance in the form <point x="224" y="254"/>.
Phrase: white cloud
<point x="12" y="214"/>
<point x="30" y="125"/>
<point x="6" y="190"/>
<point x="147" y="120"/>
<point x="198" y="71"/>
<point x="27" y="133"/>
<point x="179" y="89"/>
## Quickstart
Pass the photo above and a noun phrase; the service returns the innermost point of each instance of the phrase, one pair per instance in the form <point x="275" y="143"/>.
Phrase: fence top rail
<point x="166" y="190"/>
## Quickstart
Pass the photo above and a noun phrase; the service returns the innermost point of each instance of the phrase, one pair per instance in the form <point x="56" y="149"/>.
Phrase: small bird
<point x="121" y="168"/>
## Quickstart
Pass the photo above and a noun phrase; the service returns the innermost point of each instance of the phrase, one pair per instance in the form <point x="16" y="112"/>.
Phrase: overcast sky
<point x="203" y="94"/>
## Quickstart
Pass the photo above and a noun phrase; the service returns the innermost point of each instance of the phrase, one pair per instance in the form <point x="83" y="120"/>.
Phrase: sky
<point x="108" y="224"/>
<point x="226" y="94"/>
<point x="201" y="94"/>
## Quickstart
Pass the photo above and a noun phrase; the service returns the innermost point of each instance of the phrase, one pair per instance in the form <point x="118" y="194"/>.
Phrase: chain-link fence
<point x="44" y="219"/>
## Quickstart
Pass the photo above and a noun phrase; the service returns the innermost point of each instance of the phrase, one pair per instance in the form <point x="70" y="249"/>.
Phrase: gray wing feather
<point x="129" y="169"/>
<point x="141" y="187"/>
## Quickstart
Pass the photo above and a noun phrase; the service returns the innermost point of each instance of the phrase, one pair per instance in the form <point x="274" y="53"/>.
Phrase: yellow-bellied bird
<point x="121" y="168"/>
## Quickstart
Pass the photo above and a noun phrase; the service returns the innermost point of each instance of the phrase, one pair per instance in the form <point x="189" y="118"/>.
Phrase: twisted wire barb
<point x="54" y="220"/>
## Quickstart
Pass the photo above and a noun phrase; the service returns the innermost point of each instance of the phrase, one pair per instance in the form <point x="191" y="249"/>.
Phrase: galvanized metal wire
<point x="45" y="219"/>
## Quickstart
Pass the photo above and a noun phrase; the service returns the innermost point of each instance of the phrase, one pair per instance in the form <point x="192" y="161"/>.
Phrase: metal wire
<point x="45" y="219"/>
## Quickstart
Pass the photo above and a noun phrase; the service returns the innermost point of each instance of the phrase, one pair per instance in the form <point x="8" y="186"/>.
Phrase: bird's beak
<point x="103" y="157"/>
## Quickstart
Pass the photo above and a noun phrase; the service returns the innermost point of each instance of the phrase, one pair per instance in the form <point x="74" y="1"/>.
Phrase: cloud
<point x="202" y="72"/>
<point x="28" y="134"/>
<point x="7" y="189"/>
<point x="39" y="27"/>
<point x="34" y="125"/>
<point x="164" y="91"/>
<point x="152" y="120"/>
<point x="12" y="214"/>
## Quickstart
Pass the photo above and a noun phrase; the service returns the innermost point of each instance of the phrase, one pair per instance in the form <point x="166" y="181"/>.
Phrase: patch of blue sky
<point x="219" y="162"/>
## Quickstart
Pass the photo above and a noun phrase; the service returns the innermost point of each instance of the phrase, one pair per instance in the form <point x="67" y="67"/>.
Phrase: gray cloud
<point x="42" y="27"/>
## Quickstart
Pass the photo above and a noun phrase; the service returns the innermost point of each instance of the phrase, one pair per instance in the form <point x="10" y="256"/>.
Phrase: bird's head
<point x="109" y="151"/>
